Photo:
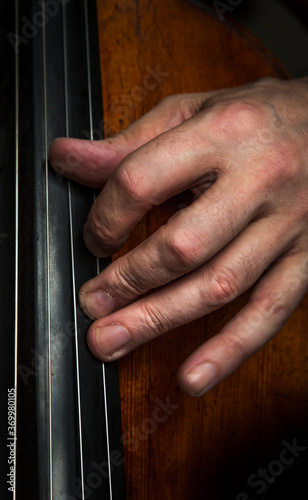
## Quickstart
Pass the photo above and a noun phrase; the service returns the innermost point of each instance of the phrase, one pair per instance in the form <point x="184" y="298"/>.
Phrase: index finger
<point x="180" y="158"/>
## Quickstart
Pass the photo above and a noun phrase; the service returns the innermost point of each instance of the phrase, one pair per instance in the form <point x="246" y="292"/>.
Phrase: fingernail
<point x="98" y="304"/>
<point x="112" y="338"/>
<point x="200" y="378"/>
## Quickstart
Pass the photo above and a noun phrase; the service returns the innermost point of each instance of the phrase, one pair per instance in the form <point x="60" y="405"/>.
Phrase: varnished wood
<point x="207" y="447"/>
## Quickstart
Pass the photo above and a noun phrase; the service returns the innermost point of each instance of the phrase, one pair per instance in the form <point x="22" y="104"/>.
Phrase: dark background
<point x="281" y="25"/>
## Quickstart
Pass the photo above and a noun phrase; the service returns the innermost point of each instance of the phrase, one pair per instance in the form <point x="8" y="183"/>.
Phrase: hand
<point x="243" y="152"/>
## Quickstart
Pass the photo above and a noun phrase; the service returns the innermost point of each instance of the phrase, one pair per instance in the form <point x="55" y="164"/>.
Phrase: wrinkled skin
<point x="243" y="152"/>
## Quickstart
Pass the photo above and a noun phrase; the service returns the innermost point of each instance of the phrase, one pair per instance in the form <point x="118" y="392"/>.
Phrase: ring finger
<point x="188" y="240"/>
<point x="207" y="288"/>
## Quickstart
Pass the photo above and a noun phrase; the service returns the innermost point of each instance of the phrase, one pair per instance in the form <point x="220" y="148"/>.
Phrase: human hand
<point x="243" y="152"/>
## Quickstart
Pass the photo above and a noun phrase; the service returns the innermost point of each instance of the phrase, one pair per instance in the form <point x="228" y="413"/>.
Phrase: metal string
<point x="16" y="223"/>
<point x="48" y="256"/>
<point x="97" y="260"/>
<point x="73" y="259"/>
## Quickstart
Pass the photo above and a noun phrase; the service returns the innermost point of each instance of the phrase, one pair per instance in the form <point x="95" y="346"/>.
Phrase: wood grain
<point x="206" y="448"/>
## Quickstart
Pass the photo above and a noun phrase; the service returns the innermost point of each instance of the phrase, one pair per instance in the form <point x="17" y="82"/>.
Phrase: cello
<point x="173" y="446"/>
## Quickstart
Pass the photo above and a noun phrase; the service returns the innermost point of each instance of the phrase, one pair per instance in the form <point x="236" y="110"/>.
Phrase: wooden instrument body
<point x="174" y="446"/>
<point x="207" y="447"/>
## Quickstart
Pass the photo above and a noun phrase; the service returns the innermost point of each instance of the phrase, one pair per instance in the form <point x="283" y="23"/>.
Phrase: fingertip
<point x="86" y="161"/>
<point x="92" y="343"/>
<point x="198" y="379"/>
<point x="55" y="155"/>
<point x="108" y="342"/>
<point x="97" y="303"/>
<point x="66" y="156"/>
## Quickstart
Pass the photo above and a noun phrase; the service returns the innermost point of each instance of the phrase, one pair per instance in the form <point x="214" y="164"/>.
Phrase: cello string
<point x="16" y="228"/>
<point x="97" y="260"/>
<point x="48" y="256"/>
<point x="73" y="259"/>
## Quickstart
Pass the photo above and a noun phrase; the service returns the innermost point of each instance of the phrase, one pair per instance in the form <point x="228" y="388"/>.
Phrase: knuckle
<point x="181" y="107"/>
<point x="272" y="305"/>
<point x="155" y="320"/>
<point x="171" y="101"/>
<point x="265" y="82"/>
<point x="184" y="250"/>
<point x="131" y="183"/>
<point x="223" y="286"/>
<point x="282" y="164"/>
<point x="235" y="347"/>
<point x="239" y="116"/>
<point x="100" y="227"/>
<point x="189" y="106"/>
<point x="169" y="108"/>
<point x="126" y="283"/>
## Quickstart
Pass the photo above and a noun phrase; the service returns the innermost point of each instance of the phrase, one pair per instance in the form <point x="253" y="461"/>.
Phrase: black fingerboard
<point x="60" y="416"/>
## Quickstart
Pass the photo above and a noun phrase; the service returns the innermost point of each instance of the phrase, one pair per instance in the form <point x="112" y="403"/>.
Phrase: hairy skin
<point x="244" y="154"/>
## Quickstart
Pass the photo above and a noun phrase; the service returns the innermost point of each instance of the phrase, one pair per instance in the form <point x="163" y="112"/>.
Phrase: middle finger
<point x="189" y="239"/>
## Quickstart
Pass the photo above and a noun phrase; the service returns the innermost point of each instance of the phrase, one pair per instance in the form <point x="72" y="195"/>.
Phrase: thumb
<point x="92" y="162"/>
